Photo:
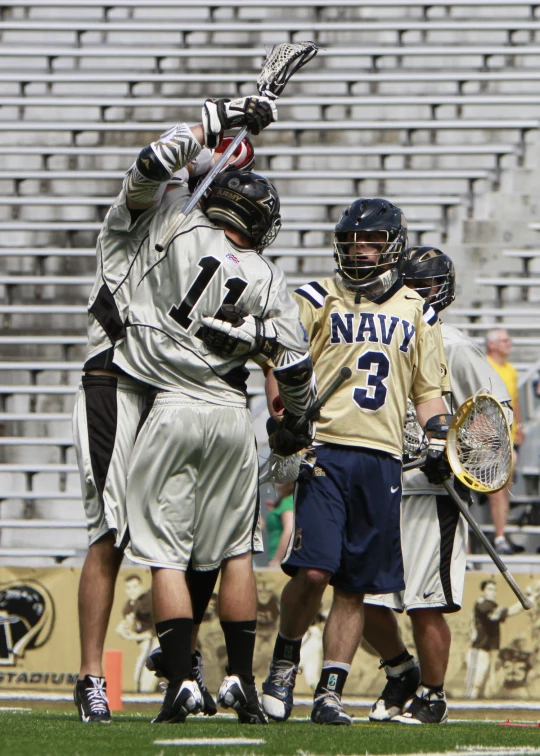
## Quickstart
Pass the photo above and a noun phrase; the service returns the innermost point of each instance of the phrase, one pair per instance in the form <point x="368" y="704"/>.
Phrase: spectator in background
<point x="279" y="523"/>
<point x="498" y="347"/>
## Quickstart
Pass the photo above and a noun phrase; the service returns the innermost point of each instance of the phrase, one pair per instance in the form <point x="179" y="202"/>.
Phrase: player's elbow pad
<point x="157" y="162"/>
<point x="296" y="381"/>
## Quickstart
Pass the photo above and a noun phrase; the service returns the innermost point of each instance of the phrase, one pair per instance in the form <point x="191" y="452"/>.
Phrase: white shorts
<point x="193" y="485"/>
<point x="105" y="419"/>
<point x="434" y="547"/>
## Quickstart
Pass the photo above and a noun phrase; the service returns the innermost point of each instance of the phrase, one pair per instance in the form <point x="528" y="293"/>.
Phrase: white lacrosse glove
<point x="219" y="115"/>
<point x="236" y="334"/>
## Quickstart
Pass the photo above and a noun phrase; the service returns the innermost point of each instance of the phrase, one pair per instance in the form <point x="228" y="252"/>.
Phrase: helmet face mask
<point x="431" y="273"/>
<point x="369" y="242"/>
<point x="247" y="202"/>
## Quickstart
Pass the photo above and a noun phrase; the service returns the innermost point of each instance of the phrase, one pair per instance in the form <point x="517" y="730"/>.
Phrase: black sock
<point x="174" y="637"/>
<point x="240" y="642"/>
<point x="405" y="656"/>
<point x="434" y="688"/>
<point x="332" y="679"/>
<point x="287" y="649"/>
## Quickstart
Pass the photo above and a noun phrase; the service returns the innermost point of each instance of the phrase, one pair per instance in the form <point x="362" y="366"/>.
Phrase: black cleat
<point x="181" y="698"/>
<point x="156" y="663"/>
<point x="401" y="684"/>
<point x="427" y="707"/>
<point x="328" y="710"/>
<point x="236" y="694"/>
<point x="90" y="696"/>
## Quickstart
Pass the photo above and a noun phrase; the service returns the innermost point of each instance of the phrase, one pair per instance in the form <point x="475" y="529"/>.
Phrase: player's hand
<point x="436" y="468"/>
<point x="235" y="334"/>
<point x="219" y="115"/>
<point x="286" y="436"/>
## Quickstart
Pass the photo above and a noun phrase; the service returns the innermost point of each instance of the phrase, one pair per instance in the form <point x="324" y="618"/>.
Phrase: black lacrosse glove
<point x="220" y="115"/>
<point x="234" y="333"/>
<point x="436" y="467"/>
<point x="285" y="438"/>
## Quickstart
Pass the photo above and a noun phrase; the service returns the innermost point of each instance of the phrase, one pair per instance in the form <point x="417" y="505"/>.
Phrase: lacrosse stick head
<point x="282" y="469"/>
<point x="414" y="439"/>
<point x="281" y="63"/>
<point x="479" y="444"/>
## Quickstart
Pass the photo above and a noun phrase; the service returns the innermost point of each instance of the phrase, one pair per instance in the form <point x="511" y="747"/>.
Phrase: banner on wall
<point x="495" y="644"/>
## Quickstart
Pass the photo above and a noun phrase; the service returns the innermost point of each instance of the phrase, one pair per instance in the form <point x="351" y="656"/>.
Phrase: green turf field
<point x="54" y="732"/>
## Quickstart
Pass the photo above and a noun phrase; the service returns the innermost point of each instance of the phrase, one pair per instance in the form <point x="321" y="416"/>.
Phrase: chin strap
<point x="372" y="290"/>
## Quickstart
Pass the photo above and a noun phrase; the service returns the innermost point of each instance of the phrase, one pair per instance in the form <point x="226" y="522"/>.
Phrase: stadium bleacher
<point x="432" y="103"/>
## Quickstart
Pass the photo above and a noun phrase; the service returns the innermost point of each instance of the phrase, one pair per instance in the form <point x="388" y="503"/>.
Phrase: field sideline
<point x="52" y="731"/>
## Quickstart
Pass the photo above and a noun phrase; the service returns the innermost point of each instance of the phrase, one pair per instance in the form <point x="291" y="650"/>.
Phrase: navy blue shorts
<point x="347" y="519"/>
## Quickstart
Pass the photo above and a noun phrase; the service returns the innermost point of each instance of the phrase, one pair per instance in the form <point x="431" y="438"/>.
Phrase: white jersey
<point x="469" y="371"/>
<point x="121" y="248"/>
<point x="199" y="272"/>
<point x="121" y="253"/>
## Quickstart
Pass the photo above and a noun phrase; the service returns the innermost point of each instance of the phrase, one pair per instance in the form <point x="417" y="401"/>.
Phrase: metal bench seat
<point x="107" y="4"/>
<point x="243" y="79"/>
<point x="432" y="102"/>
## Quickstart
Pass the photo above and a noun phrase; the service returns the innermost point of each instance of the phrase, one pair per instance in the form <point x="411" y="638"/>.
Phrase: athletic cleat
<point x="277" y="698"/>
<point x="401" y="684"/>
<point x="181" y="698"/>
<point x="328" y="710"/>
<point x="236" y="694"/>
<point x="209" y="705"/>
<point x="427" y="707"/>
<point x="155" y="663"/>
<point x="90" y="696"/>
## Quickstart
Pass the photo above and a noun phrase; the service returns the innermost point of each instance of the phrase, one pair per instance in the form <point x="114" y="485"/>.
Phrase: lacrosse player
<point x="349" y="490"/>
<point x="202" y="306"/>
<point x="109" y="402"/>
<point x="433" y="533"/>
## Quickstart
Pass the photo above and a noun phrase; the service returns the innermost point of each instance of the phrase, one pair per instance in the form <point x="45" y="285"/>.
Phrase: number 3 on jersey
<point x="377" y="367"/>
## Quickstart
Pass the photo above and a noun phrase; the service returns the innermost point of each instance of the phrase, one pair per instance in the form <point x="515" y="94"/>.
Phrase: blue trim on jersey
<point x="429" y="314"/>
<point x="303" y="291"/>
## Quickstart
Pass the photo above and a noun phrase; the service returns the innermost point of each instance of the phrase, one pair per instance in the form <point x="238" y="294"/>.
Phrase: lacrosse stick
<point x="286" y="469"/>
<point x="283" y="61"/>
<point x="479" y="450"/>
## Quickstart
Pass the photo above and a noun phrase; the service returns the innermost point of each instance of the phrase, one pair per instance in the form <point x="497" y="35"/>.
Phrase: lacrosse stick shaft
<point x="344" y="374"/>
<point x="413" y="465"/>
<point x="199" y="191"/>
<point x="475" y="527"/>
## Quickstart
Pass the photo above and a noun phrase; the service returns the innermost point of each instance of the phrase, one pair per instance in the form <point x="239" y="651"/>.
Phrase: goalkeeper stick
<point x="479" y="450"/>
<point x="284" y="60"/>
<point x="479" y="533"/>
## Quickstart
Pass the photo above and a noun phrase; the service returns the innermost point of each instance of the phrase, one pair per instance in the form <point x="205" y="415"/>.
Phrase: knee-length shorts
<point x="434" y="546"/>
<point x="347" y="519"/>
<point x="193" y="485"/>
<point x="105" y="420"/>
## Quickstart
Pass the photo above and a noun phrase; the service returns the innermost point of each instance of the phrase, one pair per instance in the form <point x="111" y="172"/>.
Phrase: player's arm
<point x="430" y="408"/>
<point x="159" y="161"/>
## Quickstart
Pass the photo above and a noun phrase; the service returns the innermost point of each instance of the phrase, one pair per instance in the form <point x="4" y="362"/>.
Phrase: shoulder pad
<point x="314" y="293"/>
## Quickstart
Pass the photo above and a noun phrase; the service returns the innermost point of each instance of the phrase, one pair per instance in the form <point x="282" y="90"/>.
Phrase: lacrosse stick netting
<point x="281" y="469"/>
<point x="281" y="63"/>
<point x="479" y="445"/>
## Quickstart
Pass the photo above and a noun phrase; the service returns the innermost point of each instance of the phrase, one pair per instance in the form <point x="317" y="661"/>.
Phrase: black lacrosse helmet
<point x="247" y="202"/>
<point x="432" y="274"/>
<point x="380" y="225"/>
